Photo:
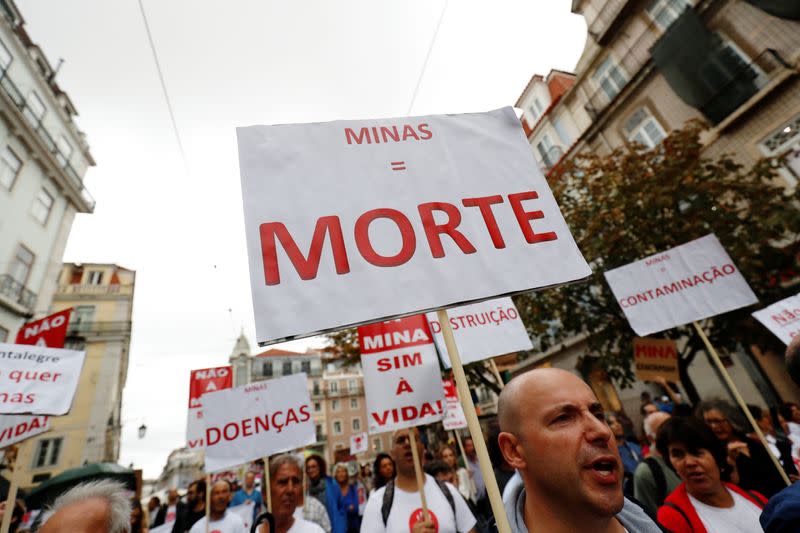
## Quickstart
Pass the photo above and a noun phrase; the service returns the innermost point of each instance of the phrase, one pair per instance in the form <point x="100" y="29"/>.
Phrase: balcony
<point x="14" y="94"/>
<point x="611" y="13"/>
<point x="85" y="289"/>
<point x="17" y="294"/>
<point x="99" y="328"/>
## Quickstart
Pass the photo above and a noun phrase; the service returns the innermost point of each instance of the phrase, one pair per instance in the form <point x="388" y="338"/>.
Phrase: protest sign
<point x="245" y="512"/>
<point x="453" y="412"/>
<point x="435" y="207"/>
<point x="359" y="443"/>
<point x="38" y="380"/>
<point x="655" y="358"/>
<point x="402" y="384"/>
<point x="482" y="330"/>
<point x="200" y="382"/>
<point x="49" y="331"/>
<point x="16" y="428"/>
<point x="690" y="282"/>
<point x="269" y="417"/>
<point x="782" y="318"/>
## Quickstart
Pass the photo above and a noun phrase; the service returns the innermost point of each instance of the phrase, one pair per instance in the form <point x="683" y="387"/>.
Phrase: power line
<point x="427" y="57"/>
<point x="163" y="87"/>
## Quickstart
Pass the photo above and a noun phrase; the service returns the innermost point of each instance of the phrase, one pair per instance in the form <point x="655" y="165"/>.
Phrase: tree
<point x="637" y="201"/>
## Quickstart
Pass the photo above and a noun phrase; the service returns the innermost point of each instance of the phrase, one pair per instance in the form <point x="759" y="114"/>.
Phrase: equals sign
<point x="398" y="165"/>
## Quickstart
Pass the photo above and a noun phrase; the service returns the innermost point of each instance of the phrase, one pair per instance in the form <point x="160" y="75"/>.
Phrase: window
<point x="356" y="422"/>
<point x="353" y="403"/>
<point x="335" y="405"/>
<point x="352" y="385"/>
<point x="337" y="427"/>
<point x="316" y="388"/>
<point x="21" y="265"/>
<point x="34" y="109"/>
<point x="286" y="368"/>
<point x="82" y="314"/>
<point x="544" y="146"/>
<point x="643" y="128"/>
<point x="664" y="12"/>
<point x="47" y="452"/>
<point x="317" y="407"/>
<point x="333" y="387"/>
<point x="536" y="109"/>
<point x="784" y="144"/>
<point x="266" y="369"/>
<point x="3" y="334"/>
<point x="9" y="168"/>
<point x="42" y="205"/>
<point x="95" y="277"/>
<point x="305" y="366"/>
<point x="609" y="78"/>
<point x="64" y="152"/>
<point x="5" y="57"/>
<point x="376" y="443"/>
<point x="319" y="432"/>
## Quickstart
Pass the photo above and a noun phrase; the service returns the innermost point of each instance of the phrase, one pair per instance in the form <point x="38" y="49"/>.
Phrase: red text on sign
<point x="399" y="361"/>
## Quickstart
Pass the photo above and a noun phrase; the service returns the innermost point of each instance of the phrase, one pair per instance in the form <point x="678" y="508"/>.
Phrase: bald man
<point x="654" y="479"/>
<point x="553" y="432"/>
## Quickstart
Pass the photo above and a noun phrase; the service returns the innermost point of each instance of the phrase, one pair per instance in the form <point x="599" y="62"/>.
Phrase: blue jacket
<point x="342" y="508"/>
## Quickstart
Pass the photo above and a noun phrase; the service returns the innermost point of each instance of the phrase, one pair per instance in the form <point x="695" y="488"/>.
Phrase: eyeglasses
<point x="715" y="421"/>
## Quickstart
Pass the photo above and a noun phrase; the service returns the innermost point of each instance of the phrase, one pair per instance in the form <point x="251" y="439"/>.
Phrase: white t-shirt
<point x="741" y="518"/>
<point x="407" y="511"/>
<point x="172" y="514"/>
<point x="230" y="523"/>
<point x="304" y="526"/>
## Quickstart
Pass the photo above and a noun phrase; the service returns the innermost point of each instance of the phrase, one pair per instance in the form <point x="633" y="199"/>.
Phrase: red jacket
<point x="678" y="515"/>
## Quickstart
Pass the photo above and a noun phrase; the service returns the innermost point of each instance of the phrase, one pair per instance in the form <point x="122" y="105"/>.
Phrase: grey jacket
<point x="631" y="516"/>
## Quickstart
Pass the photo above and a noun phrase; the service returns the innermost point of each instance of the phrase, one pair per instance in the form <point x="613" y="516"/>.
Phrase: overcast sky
<point x="238" y="63"/>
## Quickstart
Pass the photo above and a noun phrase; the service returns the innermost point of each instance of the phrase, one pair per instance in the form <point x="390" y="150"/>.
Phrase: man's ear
<point x="512" y="450"/>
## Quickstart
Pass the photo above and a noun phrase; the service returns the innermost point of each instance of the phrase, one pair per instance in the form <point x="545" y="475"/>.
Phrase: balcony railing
<point x="95" y="290"/>
<point x="99" y="327"/>
<point x="17" y="292"/>
<point x="35" y="122"/>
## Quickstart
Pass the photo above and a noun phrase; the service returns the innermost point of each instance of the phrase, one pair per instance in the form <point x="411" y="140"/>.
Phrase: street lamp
<point x="142" y="431"/>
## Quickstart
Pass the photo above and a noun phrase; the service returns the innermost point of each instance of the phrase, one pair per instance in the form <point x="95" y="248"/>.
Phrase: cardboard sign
<point x="782" y="318"/>
<point x="359" y="443"/>
<point x="453" y="412"/>
<point x="690" y="282"/>
<point x="257" y="420"/>
<point x="38" y="380"/>
<point x="443" y="209"/>
<point x="654" y="358"/>
<point x="402" y="384"/>
<point x="200" y="382"/>
<point x="16" y="428"/>
<point x="49" y="331"/>
<point x="482" y="330"/>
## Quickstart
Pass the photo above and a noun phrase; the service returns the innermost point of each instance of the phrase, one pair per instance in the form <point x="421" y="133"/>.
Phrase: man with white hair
<point x="654" y="479"/>
<point x="93" y="507"/>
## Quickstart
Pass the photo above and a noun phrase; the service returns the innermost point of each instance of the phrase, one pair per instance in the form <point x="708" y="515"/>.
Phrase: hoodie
<point x="632" y="517"/>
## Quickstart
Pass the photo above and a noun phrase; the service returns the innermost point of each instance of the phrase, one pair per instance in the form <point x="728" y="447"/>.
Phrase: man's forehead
<point x="558" y="390"/>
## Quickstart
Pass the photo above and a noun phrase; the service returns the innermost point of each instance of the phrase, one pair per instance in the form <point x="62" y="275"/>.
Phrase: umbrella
<point x="49" y="490"/>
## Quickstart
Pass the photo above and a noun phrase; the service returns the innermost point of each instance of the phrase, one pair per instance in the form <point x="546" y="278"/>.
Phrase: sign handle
<point x="743" y="406"/>
<point x="267" y="485"/>
<point x="495" y="499"/>
<point x="460" y="445"/>
<point x="496" y="373"/>
<point x="208" y="501"/>
<point x="412" y="440"/>
<point x="11" y="500"/>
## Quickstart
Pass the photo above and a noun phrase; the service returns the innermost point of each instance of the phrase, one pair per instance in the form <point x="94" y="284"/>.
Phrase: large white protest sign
<point x="690" y="282"/>
<point x="202" y="381"/>
<point x="402" y="384"/>
<point x="37" y="379"/>
<point x="394" y="217"/>
<point x="245" y="512"/>
<point x="782" y="318"/>
<point x="482" y="330"/>
<point x="16" y="428"/>
<point x="359" y="443"/>
<point x="256" y="420"/>
<point x="453" y="412"/>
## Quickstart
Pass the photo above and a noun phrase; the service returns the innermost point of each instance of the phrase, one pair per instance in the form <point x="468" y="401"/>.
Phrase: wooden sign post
<point x="19" y="462"/>
<point x="412" y="440"/>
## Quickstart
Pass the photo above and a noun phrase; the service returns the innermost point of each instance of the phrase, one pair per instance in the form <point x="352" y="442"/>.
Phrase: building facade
<point x="183" y="466"/>
<point x="43" y="158"/>
<point x="101" y="296"/>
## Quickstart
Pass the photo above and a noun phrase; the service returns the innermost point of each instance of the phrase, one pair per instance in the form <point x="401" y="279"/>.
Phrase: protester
<point x="248" y="492"/>
<point x="17" y="514"/>
<point x="219" y="518"/>
<point x="313" y="511"/>
<point x="169" y="511"/>
<point x="463" y="481"/>
<point x="382" y="471"/>
<point x="318" y="481"/>
<point x="654" y="479"/>
<point x="471" y="463"/>
<point x="96" y="507"/>
<point x="195" y="507"/>
<point x="138" y="518"/>
<point x="286" y="493"/>
<point x="752" y="467"/>
<point x="704" y="501"/>
<point x="397" y="507"/>
<point x="345" y="517"/>
<point x="779" y="445"/>
<point x="441" y="471"/>
<point x="629" y="452"/>
<point x="153" y="509"/>
<point x="553" y="432"/>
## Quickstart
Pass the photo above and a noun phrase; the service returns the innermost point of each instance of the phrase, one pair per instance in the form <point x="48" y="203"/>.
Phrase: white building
<point x="183" y="466"/>
<point x="43" y="158"/>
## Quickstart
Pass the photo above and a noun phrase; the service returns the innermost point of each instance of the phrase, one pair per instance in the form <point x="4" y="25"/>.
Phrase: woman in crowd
<point x="704" y="501"/>
<point x="752" y="467"/>
<point x="317" y="479"/>
<point x="463" y="482"/>
<point x="382" y="471"/>
<point x="345" y="517"/>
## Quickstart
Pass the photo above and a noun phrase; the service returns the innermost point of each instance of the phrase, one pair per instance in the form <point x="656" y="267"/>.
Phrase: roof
<point x="277" y="352"/>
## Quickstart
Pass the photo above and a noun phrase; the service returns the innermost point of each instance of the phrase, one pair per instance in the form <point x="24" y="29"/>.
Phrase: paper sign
<point x="690" y="282"/>
<point x="402" y="384"/>
<point x="200" y="382"/>
<point x="655" y="358"/>
<point x="359" y="443"/>
<point x="16" y="428"/>
<point x="257" y="420"/>
<point x="49" y="331"/>
<point x="482" y="330"/>
<point x="395" y="217"/>
<point x="453" y="412"/>
<point x="243" y="511"/>
<point x="38" y="380"/>
<point x="782" y="318"/>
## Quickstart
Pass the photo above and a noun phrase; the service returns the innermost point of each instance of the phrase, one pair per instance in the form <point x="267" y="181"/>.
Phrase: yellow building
<point x="102" y="298"/>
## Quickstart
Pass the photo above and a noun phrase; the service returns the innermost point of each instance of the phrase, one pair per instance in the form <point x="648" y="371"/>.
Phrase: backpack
<point x="660" y="479"/>
<point x="388" y="498"/>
